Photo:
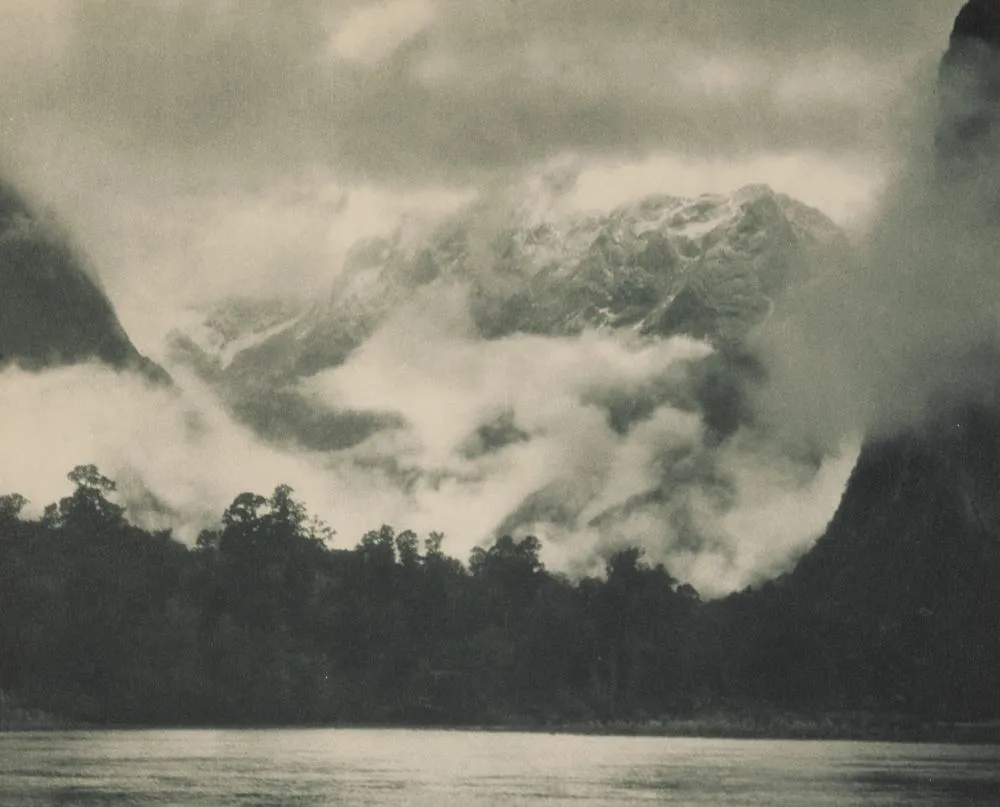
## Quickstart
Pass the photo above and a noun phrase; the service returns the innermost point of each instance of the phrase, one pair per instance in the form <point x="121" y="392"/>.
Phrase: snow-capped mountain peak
<point x="709" y="267"/>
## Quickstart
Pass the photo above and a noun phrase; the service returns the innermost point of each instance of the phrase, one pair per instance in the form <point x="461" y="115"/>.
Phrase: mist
<point x="592" y="442"/>
<point x="904" y="329"/>
<point x="196" y="153"/>
<point x="176" y="456"/>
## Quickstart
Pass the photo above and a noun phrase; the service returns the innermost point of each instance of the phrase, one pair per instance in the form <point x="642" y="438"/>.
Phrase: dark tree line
<point x="263" y="622"/>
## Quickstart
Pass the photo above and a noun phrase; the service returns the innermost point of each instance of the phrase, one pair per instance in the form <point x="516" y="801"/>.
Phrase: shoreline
<point x="848" y="727"/>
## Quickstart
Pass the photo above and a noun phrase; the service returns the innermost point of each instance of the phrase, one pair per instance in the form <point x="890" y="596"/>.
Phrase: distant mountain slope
<point x="710" y="268"/>
<point x="51" y="311"/>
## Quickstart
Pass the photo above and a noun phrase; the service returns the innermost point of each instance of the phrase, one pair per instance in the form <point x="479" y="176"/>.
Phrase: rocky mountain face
<point x="947" y="468"/>
<point x="903" y="587"/>
<point x="52" y="312"/>
<point x="711" y="268"/>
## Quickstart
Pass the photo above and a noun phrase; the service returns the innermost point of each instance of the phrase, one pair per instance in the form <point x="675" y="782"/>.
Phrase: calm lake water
<point x="396" y="767"/>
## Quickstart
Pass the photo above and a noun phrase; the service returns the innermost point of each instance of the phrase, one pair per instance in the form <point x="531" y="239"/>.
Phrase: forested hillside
<point x="261" y="622"/>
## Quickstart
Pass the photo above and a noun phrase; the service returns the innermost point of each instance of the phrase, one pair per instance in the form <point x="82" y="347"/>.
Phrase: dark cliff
<point x="52" y="312"/>
<point x="903" y="587"/>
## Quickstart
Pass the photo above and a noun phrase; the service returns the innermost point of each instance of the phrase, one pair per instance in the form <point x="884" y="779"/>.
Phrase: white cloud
<point x="161" y="245"/>
<point x="178" y="444"/>
<point x="427" y="365"/>
<point x="34" y="35"/>
<point x="569" y="469"/>
<point x="781" y="510"/>
<point x="846" y="190"/>
<point x="716" y="74"/>
<point x="371" y="32"/>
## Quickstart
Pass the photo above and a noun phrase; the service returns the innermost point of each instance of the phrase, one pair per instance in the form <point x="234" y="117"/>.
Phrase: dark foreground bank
<point x="262" y="623"/>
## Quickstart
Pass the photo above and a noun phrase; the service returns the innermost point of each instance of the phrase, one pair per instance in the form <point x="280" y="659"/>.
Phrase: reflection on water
<point x="405" y="767"/>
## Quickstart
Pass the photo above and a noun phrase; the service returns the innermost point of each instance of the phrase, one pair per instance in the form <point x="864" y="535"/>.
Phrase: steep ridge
<point x="904" y="587"/>
<point x="905" y="582"/>
<point x="52" y="312"/>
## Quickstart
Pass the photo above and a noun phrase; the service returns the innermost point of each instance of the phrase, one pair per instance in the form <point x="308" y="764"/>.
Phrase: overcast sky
<point x="197" y="147"/>
<point x="424" y="90"/>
